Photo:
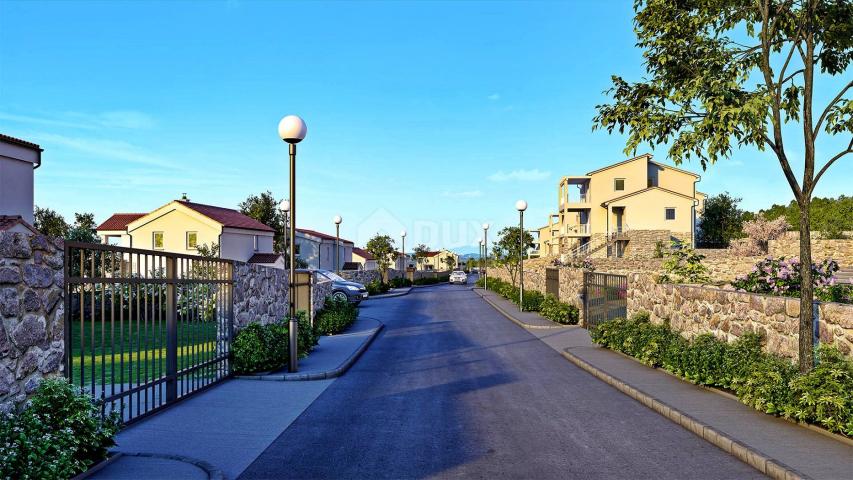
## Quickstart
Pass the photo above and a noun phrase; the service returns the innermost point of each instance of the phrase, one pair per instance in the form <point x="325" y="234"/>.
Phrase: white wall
<point x="236" y="244"/>
<point x="16" y="180"/>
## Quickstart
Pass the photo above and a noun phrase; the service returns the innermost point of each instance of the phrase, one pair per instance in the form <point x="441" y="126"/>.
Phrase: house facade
<point x="18" y="161"/>
<point x="364" y="259"/>
<point x="437" y="260"/>
<point x="317" y="249"/>
<point x="182" y="226"/>
<point x="638" y="200"/>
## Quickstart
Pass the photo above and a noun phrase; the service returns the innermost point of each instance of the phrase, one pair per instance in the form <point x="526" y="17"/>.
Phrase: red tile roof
<point x="431" y="254"/>
<point x="19" y="142"/>
<point x="9" y="221"/>
<point x="227" y="217"/>
<point x="119" y="221"/>
<point x="321" y="235"/>
<point x="265" y="258"/>
<point x="362" y="253"/>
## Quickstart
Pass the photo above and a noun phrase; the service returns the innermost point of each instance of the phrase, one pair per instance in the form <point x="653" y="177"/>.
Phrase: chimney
<point x="184" y="197"/>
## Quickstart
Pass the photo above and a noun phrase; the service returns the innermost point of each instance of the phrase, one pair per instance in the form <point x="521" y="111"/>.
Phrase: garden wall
<point x="32" y="314"/>
<point x="838" y="250"/>
<point x="261" y="294"/>
<point x="361" y="276"/>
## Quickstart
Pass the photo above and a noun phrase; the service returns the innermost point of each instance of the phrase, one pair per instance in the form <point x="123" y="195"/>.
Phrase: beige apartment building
<point x="623" y="210"/>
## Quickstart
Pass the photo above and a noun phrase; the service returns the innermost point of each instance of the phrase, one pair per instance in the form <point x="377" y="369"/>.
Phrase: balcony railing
<point x="582" y="229"/>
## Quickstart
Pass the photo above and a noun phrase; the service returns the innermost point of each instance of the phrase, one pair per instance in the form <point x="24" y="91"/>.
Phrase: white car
<point x="458" y="276"/>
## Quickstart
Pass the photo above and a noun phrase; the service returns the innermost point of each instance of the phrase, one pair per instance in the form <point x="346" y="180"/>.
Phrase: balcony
<point x="576" y="231"/>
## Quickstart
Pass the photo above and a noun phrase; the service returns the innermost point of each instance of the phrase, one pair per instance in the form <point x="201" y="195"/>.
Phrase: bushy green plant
<point x="337" y="315"/>
<point x="782" y="276"/>
<point x="258" y="348"/>
<point x="684" y="265"/>
<point x="377" y="287"/>
<point x="306" y="337"/>
<point x="400" y="282"/>
<point x="763" y="381"/>
<point x="60" y="434"/>
<point x="824" y="396"/>
<point x="556" y="311"/>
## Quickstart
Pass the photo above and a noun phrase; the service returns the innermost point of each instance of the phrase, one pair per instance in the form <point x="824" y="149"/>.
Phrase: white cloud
<point x="519" y="175"/>
<point x="126" y="119"/>
<point x="494" y="97"/>
<point x="463" y="194"/>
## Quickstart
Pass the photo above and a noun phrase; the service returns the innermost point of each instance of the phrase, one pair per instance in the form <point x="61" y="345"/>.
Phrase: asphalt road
<point x="451" y="388"/>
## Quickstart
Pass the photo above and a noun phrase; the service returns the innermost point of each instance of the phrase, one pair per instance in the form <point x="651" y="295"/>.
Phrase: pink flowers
<point x="783" y="276"/>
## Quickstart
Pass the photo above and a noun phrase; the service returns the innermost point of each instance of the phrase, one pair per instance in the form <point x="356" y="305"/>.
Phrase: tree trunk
<point x="806" y="290"/>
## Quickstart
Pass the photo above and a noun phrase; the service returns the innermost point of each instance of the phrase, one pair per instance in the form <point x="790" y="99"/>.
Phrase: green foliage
<point x="765" y="382"/>
<point x="556" y="311"/>
<point x="336" y="316"/>
<point x="306" y="337"/>
<point x="377" y="287"/>
<point x="265" y="209"/>
<point x="658" y="250"/>
<point x="382" y="249"/>
<point x="432" y="280"/>
<point x="259" y="348"/>
<point x="534" y="301"/>
<point x="684" y="265"/>
<point x="830" y="216"/>
<point x="400" y="282"/>
<point x="59" y="435"/>
<point x="721" y="221"/>
<point x="50" y="223"/>
<point x="508" y="250"/>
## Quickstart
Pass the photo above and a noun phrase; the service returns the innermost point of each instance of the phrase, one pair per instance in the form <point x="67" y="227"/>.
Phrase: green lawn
<point x="135" y="350"/>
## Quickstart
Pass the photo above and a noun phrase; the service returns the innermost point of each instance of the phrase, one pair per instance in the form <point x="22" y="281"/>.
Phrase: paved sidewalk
<point x="510" y="310"/>
<point x="332" y="356"/>
<point x="763" y="441"/>
<point x="394" y="292"/>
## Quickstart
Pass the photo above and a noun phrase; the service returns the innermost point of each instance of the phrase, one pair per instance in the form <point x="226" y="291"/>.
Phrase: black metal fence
<point x="145" y="328"/>
<point x="605" y="297"/>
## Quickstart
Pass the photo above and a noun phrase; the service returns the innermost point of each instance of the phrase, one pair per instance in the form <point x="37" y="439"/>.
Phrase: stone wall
<point x="728" y="314"/>
<point x="642" y="244"/>
<point x="789" y="246"/>
<point x="361" y="276"/>
<point x="319" y="292"/>
<point x="260" y="294"/>
<point x="32" y="314"/>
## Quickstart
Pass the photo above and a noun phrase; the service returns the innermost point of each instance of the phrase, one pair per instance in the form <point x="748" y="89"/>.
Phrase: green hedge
<point x="400" y="282"/>
<point x="59" y="435"/>
<point x="259" y="348"/>
<point x="534" y="301"/>
<point x="765" y="382"/>
<point x="432" y="280"/>
<point x="336" y="316"/>
<point x="377" y="287"/>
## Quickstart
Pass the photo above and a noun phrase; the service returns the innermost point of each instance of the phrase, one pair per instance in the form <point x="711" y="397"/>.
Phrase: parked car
<point x="458" y="276"/>
<point x="343" y="289"/>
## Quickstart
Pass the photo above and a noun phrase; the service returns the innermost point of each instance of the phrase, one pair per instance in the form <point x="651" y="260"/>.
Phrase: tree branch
<point x="849" y="149"/>
<point x="829" y="107"/>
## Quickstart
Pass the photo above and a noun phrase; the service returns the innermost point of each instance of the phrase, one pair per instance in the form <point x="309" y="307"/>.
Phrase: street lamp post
<point x="284" y="206"/>
<point x="337" y="221"/>
<point x="480" y="260"/>
<point x="486" y="254"/>
<point x="405" y="267"/>
<point x="521" y="206"/>
<point x="292" y="130"/>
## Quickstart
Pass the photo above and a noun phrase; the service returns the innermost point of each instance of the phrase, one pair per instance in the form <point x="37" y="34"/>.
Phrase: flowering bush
<point x="581" y="263"/>
<point x="782" y="276"/>
<point x="760" y="231"/>
<point x="683" y="265"/>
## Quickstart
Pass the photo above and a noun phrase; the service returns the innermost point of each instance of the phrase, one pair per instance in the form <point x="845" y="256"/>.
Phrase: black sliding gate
<point x="145" y="328"/>
<point x="605" y="297"/>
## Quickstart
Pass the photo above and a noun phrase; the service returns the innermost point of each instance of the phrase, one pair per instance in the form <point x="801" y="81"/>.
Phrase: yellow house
<point x="638" y="200"/>
<point x="181" y="226"/>
<point x="438" y="260"/>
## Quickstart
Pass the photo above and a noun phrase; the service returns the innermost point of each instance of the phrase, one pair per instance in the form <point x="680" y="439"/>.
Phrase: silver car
<point x="458" y="276"/>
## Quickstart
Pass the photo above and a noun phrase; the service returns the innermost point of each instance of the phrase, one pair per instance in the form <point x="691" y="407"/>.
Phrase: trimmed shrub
<point x="557" y="311"/>
<point x="377" y="287"/>
<point x="60" y="434"/>
<point x="400" y="282"/>
<point x="258" y="348"/>
<point x="336" y="316"/>
<point x="763" y="381"/>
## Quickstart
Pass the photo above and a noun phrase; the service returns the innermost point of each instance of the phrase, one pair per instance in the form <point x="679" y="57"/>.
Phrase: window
<point x="255" y="242"/>
<point x="296" y="249"/>
<point x="670" y="213"/>
<point x="157" y="241"/>
<point x="192" y="240"/>
<point x="618" y="184"/>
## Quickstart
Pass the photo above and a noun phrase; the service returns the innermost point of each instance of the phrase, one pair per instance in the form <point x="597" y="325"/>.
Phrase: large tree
<point x="420" y="254"/>
<point x="508" y="250"/>
<point x="721" y="222"/>
<point x="725" y="74"/>
<point x="264" y="208"/>
<point x="50" y="223"/>
<point x="83" y="229"/>
<point x="382" y="249"/>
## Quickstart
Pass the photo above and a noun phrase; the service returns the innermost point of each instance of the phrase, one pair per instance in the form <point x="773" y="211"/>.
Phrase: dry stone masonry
<point x="32" y="314"/>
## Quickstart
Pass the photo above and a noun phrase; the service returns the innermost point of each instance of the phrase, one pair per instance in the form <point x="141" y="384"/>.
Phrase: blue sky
<point x="434" y="117"/>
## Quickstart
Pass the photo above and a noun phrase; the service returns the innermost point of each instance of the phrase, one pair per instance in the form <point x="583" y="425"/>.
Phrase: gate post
<point x="171" y="330"/>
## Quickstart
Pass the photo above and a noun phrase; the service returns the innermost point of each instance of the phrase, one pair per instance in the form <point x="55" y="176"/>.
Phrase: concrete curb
<point x="555" y="326"/>
<point x="431" y="285"/>
<point x="769" y="466"/>
<point x="337" y="372"/>
<point x="213" y="473"/>
<point x="390" y="295"/>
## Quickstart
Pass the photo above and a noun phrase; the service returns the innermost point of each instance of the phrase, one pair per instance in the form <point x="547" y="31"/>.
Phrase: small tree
<point x="264" y="208"/>
<point x="83" y="229"/>
<point x="450" y="262"/>
<point x="727" y="74"/>
<point x="684" y="265"/>
<point x="382" y="249"/>
<point x="759" y="232"/>
<point x="50" y="223"/>
<point x="721" y="220"/>
<point x="421" y="252"/>
<point x="508" y="250"/>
